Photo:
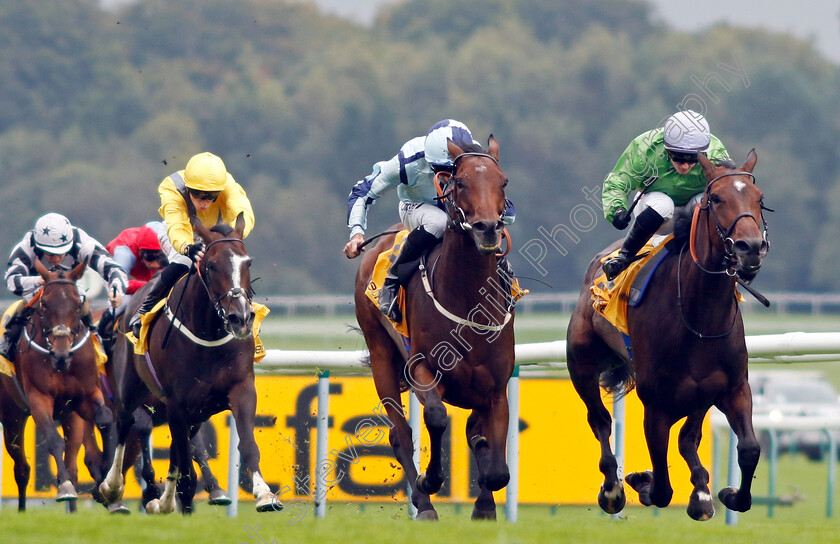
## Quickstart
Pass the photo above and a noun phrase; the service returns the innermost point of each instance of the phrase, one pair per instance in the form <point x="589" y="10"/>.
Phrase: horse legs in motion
<point x="13" y="419"/>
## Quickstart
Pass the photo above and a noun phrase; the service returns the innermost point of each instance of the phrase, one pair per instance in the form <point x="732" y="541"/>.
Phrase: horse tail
<point x="618" y="380"/>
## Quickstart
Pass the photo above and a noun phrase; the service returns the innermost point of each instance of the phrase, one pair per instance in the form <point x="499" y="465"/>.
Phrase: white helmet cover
<point x="687" y="131"/>
<point x="53" y="234"/>
<point x="437" y="149"/>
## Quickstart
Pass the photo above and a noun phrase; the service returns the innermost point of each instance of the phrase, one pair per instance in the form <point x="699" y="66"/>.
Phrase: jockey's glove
<point x="621" y="219"/>
<point x="193" y="251"/>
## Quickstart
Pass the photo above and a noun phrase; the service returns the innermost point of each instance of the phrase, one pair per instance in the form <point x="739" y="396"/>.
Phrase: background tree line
<point x="97" y="106"/>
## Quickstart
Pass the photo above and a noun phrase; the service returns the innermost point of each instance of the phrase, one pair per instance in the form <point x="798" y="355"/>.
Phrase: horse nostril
<point x="750" y="247"/>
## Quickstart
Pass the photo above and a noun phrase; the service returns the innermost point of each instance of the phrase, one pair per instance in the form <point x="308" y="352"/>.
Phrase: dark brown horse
<point x="200" y="361"/>
<point x="56" y="375"/>
<point x="688" y="348"/>
<point x="461" y="330"/>
<point x="150" y="413"/>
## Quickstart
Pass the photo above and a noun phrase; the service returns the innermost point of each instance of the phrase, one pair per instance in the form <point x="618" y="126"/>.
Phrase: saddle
<point x="141" y="344"/>
<point x="612" y="298"/>
<point x="383" y="263"/>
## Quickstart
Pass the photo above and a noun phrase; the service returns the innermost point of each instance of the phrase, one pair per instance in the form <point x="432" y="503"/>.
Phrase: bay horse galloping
<point x="56" y="374"/>
<point x="452" y="358"/>
<point x="200" y="361"/>
<point x="687" y="342"/>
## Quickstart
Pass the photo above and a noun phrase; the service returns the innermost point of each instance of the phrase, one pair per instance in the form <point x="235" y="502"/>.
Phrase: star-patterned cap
<point x="53" y="234"/>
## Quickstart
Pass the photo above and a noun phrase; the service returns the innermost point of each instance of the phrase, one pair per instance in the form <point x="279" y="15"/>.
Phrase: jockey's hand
<point x="621" y="219"/>
<point x="194" y="251"/>
<point x="351" y="249"/>
<point x="115" y="296"/>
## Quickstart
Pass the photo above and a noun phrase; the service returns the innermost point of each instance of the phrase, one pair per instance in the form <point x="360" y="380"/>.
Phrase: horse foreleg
<point x="738" y="411"/>
<point x="41" y="407"/>
<point x="487" y="436"/>
<point x="198" y="450"/>
<point x="74" y="430"/>
<point x="654" y="487"/>
<point x="180" y="458"/>
<point x="14" y="423"/>
<point x="611" y="497"/>
<point x="435" y="419"/>
<point x="243" y="405"/>
<point x="701" y="505"/>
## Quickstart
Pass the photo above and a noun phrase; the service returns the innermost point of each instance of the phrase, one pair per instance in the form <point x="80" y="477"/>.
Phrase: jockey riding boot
<point x="163" y="284"/>
<point x="12" y="333"/>
<point x="646" y="224"/>
<point x="415" y="244"/>
<point x="106" y="325"/>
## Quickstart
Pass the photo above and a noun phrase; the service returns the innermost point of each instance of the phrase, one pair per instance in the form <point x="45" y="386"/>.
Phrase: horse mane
<point x="222" y="228"/>
<point x="473" y="147"/>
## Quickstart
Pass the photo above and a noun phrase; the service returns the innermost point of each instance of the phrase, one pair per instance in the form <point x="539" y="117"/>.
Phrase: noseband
<point x="725" y="234"/>
<point x="233" y="293"/>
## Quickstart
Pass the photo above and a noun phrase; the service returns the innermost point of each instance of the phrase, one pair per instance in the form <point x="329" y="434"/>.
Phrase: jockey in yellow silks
<point x="208" y="187"/>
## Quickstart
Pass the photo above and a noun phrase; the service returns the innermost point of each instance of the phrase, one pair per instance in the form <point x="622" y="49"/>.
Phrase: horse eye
<point x="715" y="199"/>
<point x="459" y="184"/>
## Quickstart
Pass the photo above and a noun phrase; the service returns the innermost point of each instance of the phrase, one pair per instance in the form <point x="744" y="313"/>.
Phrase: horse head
<point x="59" y="314"/>
<point x="225" y="271"/>
<point x="737" y="228"/>
<point x="476" y="202"/>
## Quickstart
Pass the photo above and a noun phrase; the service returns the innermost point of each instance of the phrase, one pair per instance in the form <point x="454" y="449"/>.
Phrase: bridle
<point x="729" y="261"/>
<point x="456" y="214"/>
<point x="59" y="331"/>
<point x="234" y="293"/>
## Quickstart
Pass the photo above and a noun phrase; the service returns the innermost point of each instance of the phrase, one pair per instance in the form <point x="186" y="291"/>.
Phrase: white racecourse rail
<point x="788" y="347"/>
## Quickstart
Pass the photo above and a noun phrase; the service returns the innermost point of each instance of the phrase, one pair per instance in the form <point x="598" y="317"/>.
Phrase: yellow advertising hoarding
<point x="558" y="457"/>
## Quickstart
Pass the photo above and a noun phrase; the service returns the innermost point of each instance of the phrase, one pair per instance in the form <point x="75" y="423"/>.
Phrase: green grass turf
<point x="354" y="523"/>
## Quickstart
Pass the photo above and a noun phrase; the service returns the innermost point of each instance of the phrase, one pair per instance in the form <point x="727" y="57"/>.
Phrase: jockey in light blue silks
<point x="412" y="172"/>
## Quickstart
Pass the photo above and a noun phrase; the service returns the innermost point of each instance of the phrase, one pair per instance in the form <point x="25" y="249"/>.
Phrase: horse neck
<point x="200" y="312"/>
<point x="701" y="289"/>
<point x="464" y="276"/>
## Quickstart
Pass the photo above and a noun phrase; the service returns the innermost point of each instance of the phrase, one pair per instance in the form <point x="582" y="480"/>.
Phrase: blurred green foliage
<point x="97" y="106"/>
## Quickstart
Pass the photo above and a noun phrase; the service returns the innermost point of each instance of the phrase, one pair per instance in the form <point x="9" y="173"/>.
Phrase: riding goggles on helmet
<point x="682" y="157"/>
<point x="209" y="196"/>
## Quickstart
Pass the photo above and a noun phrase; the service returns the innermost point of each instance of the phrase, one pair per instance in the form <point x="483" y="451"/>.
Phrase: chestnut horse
<point x="453" y="358"/>
<point x="200" y="361"/>
<point x="688" y="347"/>
<point x="56" y="374"/>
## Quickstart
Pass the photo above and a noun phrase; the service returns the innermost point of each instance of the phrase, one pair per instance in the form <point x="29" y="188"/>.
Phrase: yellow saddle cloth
<point x="380" y="270"/>
<point x="260" y="311"/>
<point x="610" y="298"/>
<point x="8" y="368"/>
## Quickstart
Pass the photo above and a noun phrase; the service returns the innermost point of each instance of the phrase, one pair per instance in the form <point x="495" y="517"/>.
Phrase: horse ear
<point x="708" y="166"/>
<point x="239" y="224"/>
<point x="752" y="158"/>
<point x="493" y="147"/>
<point x="200" y="229"/>
<point x="78" y="270"/>
<point x="454" y="150"/>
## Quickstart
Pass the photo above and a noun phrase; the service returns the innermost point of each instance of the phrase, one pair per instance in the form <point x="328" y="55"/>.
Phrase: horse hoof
<point x="118" y="508"/>
<point x="612" y="502"/>
<point x="219" y="498"/>
<point x="267" y="502"/>
<point x="66" y="492"/>
<point x="427" y="515"/>
<point x="729" y="497"/>
<point x="427" y="486"/>
<point x="110" y="494"/>
<point x="641" y="482"/>
<point x="701" y="507"/>
<point x="153" y="506"/>
<point x="483" y="515"/>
